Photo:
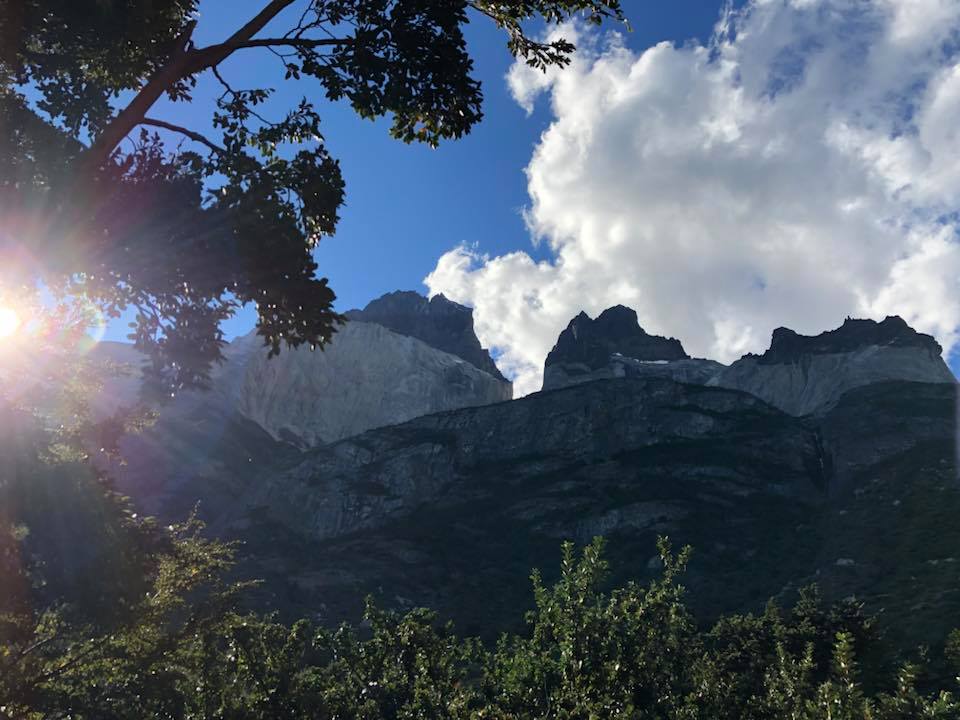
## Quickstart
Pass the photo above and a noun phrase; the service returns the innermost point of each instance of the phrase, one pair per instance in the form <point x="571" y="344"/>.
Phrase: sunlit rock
<point x="802" y="374"/>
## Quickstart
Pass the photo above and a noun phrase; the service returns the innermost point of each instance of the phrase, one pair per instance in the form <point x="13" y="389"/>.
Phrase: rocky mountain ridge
<point x="432" y="511"/>
<point x="368" y="376"/>
<point x="809" y="374"/>
<point x="614" y="345"/>
<point x="798" y="374"/>
<point x="440" y="508"/>
<point x="893" y="331"/>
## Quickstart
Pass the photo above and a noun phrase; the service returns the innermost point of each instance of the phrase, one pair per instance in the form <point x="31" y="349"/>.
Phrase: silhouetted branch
<point x="195" y="136"/>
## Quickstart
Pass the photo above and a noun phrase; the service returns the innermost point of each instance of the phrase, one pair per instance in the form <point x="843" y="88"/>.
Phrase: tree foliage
<point x="103" y="198"/>
<point x="187" y="652"/>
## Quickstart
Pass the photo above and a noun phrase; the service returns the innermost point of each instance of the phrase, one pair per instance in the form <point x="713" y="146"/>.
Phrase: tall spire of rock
<point x="614" y="345"/>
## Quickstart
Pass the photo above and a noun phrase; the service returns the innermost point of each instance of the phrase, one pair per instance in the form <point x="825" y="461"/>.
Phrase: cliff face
<point x="367" y="377"/>
<point x="787" y="346"/>
<point x="798" y="374"/>
<point x="689" y="370"/>
<point x="442" y="509"/>
<point x="364" y="481"/>
<point x="803" y="374"/>
<point x="439" y="510"/>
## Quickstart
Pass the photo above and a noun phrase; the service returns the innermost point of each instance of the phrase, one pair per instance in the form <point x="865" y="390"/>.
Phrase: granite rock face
<point x="614" y="345"/>
<point x="690" y="370"/>
<point x="440" y="323"/>
<point x="442" y="509"/>
<point x="803" y="374"/>
<point x="367" y="377"/>
<point x="788" y="346"/>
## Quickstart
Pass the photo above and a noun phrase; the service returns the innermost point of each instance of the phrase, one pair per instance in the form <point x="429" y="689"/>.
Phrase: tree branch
<point x="213" y="55"/>
<point x="183" y="63"/>
<point x="260" y="21"/>
<point x="133" y="113"/>
<point x="195" y="136"/>
<point x="233" y="93"/>
<point x="295" y="42"/>
<point x="216" y="54"/>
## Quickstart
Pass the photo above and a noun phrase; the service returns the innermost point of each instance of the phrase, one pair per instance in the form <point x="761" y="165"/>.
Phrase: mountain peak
<point x="803" y="374"/>
<point x="620" y="317"/>
<point x="787" y="345"/>
<point x="615" y="331"/>
<point x="437" y="321"/>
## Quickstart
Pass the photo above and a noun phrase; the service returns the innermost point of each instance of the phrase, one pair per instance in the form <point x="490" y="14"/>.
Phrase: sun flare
<point x="9" y="322"/>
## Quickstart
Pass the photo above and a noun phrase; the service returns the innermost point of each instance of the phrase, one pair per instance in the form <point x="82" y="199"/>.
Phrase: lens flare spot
<point x="9" y="322"/>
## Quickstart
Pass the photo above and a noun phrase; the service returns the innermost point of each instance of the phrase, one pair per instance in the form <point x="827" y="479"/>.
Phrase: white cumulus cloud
<point x="800" y="167"/>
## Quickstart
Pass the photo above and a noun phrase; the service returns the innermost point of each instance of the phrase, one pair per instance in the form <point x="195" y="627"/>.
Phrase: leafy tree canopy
<point x="106" y="200"/>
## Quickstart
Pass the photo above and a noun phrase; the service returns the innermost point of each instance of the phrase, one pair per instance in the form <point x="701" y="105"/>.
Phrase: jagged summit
<point x="615" y="331"/>
<point x="437" y="321"/>
<point x="424" y="512"/>
<point x="614" y="345"/>
<point x="804" y="374"/>
<point x="788" y="346"/>
<point x="798" y="373"/>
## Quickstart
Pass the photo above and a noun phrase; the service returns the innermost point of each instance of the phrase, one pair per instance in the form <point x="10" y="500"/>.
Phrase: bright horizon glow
<point x="9" y="322"/>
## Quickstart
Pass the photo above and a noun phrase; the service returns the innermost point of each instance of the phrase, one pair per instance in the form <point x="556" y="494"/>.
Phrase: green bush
<point x="635" y="652"/>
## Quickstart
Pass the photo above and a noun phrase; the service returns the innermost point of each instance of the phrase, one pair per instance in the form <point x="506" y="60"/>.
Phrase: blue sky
<point x="797" y="170"/>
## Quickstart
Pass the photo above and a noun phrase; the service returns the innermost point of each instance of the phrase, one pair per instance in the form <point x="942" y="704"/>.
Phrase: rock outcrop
<point x="788" y="346"/>
<point x="440" y="323"/>
<point x="445" y="507"/>
<point x="614" y="345"/>
<point x="802" y="374"/>
<point x="363" y="482"/>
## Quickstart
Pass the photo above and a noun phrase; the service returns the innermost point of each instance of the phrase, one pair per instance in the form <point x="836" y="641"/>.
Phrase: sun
<point x="9" y="322"/>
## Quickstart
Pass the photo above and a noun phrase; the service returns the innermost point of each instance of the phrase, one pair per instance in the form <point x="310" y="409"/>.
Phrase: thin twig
<point x="195" y="136"/>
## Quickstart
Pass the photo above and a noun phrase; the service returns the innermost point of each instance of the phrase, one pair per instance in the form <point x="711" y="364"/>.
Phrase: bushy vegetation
<point x="183" y="650"/>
